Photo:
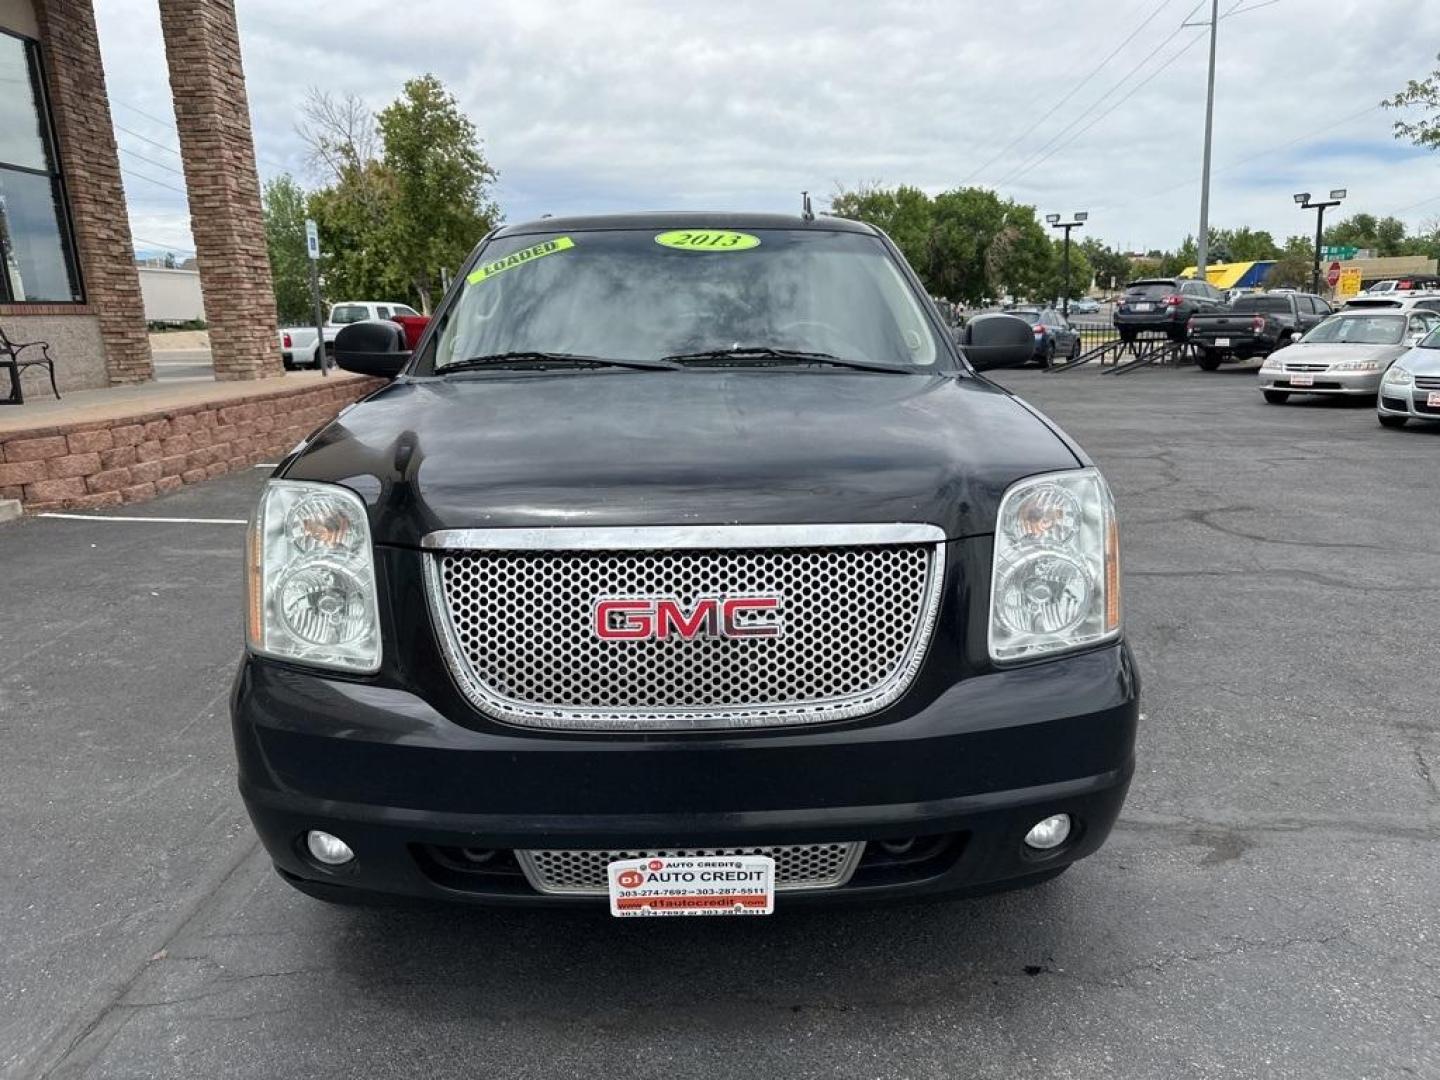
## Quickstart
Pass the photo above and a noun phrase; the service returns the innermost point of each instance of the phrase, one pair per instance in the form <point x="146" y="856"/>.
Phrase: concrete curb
<point x="10" y="509"/>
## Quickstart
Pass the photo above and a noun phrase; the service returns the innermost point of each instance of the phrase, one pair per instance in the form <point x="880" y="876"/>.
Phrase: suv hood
<point x="705" y="446"/>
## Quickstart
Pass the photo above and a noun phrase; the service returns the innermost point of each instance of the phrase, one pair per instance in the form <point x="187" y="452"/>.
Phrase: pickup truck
<point x="297" y="343"/>
<point x="657" y="576"/>
<point x="1255" y="325"/>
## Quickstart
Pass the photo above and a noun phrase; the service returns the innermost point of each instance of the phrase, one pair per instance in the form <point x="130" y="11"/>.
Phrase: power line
<point x="152" y="180"/>
<point x="1129" y="94"/>
<point x="1069" y="94"/>
<point x="170" y="125"/>
<point x="163" y="247"/>
<point x="1046" y="148"/>
<point x="151" y="161"/>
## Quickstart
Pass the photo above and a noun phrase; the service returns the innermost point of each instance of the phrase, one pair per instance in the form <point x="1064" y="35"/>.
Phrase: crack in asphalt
<point x="1119" y="979"/>
<point x="1202" y="517"/>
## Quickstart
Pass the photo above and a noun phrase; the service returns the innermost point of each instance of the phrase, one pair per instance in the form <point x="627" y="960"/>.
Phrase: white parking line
<point x="155" y="520"/>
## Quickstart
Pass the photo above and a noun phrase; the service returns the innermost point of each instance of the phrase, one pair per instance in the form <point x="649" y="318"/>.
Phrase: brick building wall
<point x="202" y="49"/>
<point x="75" y="82"/>
<point x="132" y="458"/>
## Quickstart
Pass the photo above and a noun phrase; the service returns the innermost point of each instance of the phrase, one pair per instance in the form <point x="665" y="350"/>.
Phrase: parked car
<point x="1085" y="305"/>
<point x="657" y="576"/>
<point x="1396" y="301"/>
<point x="1254" y="325"/>
<point x="1164" y="305"/>
<point x="1054" y="336"/>
<point x="1411" y="386"/>
<point x="1345" y="355"/>
<point x="297" y="343"/>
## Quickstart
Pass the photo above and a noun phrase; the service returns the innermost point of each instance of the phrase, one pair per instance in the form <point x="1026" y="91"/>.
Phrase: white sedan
<point x="1344" y="355"/>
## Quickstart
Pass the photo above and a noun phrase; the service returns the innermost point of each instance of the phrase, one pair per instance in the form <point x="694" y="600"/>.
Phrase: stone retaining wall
<point x="132" y="458"/>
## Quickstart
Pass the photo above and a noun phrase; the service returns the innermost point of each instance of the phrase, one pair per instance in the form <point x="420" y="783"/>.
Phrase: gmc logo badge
<point x="654" y="618"/>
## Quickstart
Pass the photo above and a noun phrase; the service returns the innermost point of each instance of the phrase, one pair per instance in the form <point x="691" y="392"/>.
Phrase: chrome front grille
<point x="797" y="866"/>
<point x="516" y="615"/>
<point x="1427" y="382"/>
<point x="1307" y="367"/>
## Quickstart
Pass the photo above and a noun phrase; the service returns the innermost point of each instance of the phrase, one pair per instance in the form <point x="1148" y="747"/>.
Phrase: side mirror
<point x="1296" y="335"/>
<point x="377" y="348"/>
<point x="997" y="341"/>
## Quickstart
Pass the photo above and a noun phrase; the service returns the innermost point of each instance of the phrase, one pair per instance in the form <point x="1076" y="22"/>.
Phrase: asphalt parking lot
<point x="1267" y="906"/>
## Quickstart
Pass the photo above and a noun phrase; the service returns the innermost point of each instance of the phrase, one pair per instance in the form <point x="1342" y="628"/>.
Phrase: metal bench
<point x="10" y="359"/>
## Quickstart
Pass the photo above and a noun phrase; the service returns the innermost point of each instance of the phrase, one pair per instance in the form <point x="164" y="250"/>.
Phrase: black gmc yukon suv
<point x="685" y="562"/>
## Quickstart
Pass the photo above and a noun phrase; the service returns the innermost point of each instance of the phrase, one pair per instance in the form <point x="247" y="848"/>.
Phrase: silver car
<point x="1411" y="387"/>
<point x="1345" y="355"/>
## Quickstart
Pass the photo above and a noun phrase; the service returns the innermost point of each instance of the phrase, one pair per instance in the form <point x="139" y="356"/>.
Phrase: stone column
<point x="202" y="50"/>
<point x="75" y="82"/>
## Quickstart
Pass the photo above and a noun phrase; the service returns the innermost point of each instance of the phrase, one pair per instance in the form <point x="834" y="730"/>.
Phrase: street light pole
<point x="1055" y="223"/>
<point x="1302" y="199"/>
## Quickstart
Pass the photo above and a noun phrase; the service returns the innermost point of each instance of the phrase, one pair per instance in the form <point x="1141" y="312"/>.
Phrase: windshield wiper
<point x="765" y="352"/>
<point x="526" y="357"/>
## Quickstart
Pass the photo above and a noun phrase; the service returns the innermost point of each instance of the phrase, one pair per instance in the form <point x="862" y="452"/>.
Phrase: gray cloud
<point x="620" y="105"/>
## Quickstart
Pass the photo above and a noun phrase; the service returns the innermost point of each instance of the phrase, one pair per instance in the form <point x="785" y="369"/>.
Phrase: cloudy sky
<point x="1070" y="105"/>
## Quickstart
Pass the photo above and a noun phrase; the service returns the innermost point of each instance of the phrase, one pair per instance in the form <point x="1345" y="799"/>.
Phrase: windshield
<point x="636" y="294"/>
<point x="1354" y="328"/>
<point x="1261" y="303"/>
<point x="1431" y="340"/>
<point x="1032" y="317"/>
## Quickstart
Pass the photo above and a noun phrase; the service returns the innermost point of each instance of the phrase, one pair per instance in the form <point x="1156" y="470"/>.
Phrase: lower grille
<point x="1429" y="410"/>
<point x="582" y="873"/>
<point x="1398" y="404"/>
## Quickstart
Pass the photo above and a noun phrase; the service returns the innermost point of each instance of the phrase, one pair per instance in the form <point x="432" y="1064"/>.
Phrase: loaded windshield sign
<point x="704" y="885"/>
<point x="519" y="258"/>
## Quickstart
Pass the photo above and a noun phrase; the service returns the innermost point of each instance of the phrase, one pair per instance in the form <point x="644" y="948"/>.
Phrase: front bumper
<point x="1342" y="383"/>
<point x="1407" y="401"/>
<point x="969" y="772"/>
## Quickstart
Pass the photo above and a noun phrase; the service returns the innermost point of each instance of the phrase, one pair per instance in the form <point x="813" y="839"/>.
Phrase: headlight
<point x="1273" y="363"/>
<point x="1398" y="376"/>
<point x="311" y="578"/>
<point x="1055" y="584"/>
<point x="1356" y="365"/>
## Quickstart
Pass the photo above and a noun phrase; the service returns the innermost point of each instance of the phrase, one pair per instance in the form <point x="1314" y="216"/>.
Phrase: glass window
<point x="401" y="309"/>
<point x="343" y="314"/>
<point x="382" y="311"/>
<point x="1359" y="328"/>
<point x="620" y="294"/>
<point x="36" y="259"/>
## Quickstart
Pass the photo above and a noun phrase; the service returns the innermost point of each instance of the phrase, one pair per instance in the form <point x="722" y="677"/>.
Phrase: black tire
<point x="329" y="355"/>
<point x="1209" y="359"/>
<point x="1075" y="350"/>
<point x="1047" y="358"/>
<point x="1387" y="421"/>
<point x="1277" y="397"/>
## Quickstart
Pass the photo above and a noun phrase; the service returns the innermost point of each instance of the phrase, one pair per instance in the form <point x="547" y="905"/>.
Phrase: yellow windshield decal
<point x="707" y="240"/>
<point x="519" y="258"/>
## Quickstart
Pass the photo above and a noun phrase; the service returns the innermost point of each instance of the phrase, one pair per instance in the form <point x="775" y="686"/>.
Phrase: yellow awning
<point x="1222" y="275"/>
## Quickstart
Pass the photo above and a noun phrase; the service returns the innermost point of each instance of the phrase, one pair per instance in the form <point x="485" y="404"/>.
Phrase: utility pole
<point x="1055" y="223"/>
<point x="1202" y="242"/>
<point x="1302" y="199"/>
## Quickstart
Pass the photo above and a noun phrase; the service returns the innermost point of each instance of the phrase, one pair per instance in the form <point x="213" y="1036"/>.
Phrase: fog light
<point x="330" y="850"/>
<point x="1049" y="833"/>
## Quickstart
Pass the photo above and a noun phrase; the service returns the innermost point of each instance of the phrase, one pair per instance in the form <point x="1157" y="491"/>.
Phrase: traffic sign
<point x="1333" y="277"/>
<point x="1343" y="251"/>
<point x="1350" y="281"/>
<point x="312" y="239"/>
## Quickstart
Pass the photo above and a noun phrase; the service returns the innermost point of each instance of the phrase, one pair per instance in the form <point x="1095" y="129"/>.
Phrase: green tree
<point x="1426" y="94"/>
<point x="440" y="184"/>
<point x="1295" y="265"/>
<point x="1385" y="236"/>
<point x="1112" y="269"/>
<point x="1243" y="244"/>
<point x="283" y="208"/>
<point x="357" y="261"/>
<point x="1081" y="272"/>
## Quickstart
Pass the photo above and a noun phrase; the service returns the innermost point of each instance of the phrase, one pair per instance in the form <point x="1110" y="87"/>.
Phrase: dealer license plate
<point x="1223" y="342"/>
<point x="699" y="885"/>
<point x="1143" y="307"/>
<point x="1302" y="380"/>
<point x="1433" y="401"/>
